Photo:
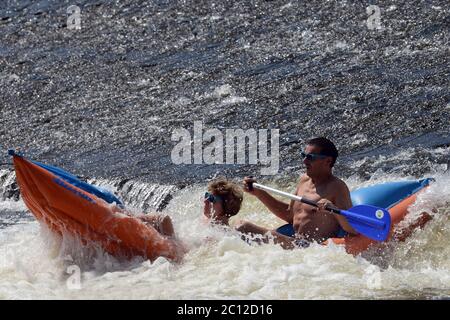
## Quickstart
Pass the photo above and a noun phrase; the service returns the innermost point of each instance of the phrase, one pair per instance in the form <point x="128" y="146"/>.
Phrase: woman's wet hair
<point x="231" y="194"/>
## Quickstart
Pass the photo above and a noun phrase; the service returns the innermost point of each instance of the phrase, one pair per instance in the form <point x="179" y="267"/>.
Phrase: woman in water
<point x="222" y="201"/>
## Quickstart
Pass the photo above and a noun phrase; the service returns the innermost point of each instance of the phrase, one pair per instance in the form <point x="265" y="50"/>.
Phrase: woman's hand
<point x="207" y="208"/>
<point x="247" y="183"/>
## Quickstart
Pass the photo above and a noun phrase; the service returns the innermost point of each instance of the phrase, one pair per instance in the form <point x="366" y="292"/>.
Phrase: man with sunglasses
<point x="307" y="223"/>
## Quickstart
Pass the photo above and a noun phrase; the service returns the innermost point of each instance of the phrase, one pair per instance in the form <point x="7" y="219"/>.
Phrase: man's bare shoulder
<point x="339" y="185"/>
<point x="341" y="194"/>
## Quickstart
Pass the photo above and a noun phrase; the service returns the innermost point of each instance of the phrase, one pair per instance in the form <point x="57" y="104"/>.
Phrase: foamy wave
<point x="219" y="265"/>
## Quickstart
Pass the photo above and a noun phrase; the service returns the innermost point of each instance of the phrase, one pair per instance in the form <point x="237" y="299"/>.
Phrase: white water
<point x="34" y="263"/>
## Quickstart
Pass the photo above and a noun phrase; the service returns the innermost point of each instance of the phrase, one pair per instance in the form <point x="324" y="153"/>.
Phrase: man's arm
<point x="343" y="201"/>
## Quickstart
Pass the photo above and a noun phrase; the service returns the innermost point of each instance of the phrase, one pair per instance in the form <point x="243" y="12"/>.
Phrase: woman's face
<point x="212" y="210"/>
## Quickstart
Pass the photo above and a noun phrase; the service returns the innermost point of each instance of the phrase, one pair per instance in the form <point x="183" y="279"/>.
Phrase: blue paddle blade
<point x="372" y="222"/>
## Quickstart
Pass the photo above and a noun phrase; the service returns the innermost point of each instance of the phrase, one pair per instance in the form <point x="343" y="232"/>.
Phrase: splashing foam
<point x="428" y="248"/>
<point x="220" y="265"/>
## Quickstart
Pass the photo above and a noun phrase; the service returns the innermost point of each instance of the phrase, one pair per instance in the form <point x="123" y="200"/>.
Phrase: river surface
<point x="103" y="102"/>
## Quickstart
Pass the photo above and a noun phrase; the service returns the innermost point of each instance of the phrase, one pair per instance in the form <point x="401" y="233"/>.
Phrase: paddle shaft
<point x="292" y="197"/>
<point x="348" y="214"/>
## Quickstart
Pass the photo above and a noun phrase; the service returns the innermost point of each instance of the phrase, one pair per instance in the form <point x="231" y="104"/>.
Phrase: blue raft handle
<point x="13" y="152"/>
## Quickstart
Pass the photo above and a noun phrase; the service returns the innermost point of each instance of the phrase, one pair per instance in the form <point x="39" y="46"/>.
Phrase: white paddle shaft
<point x="291" y="196"/>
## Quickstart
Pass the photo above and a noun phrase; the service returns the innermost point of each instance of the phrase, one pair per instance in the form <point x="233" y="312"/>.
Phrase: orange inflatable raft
<point x="66" y="204"/>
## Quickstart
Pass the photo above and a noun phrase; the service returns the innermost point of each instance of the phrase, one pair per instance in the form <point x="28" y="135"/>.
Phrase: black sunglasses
<point x="212" y="198"/>
<point x="312" y="156"/>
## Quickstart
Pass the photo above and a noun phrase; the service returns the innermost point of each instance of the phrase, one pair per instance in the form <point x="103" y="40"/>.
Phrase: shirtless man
<point x="318" y="184"/>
